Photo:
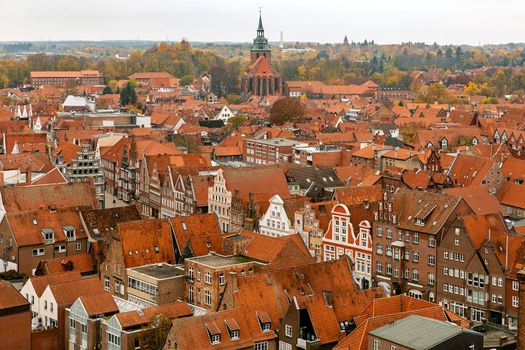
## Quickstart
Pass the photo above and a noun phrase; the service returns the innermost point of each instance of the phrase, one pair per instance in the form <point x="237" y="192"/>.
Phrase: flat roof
<point x="215" y="260"/>
<point x="160" y="271"/>
<point x="417" y="332"/>
<point x="278" y="142"/>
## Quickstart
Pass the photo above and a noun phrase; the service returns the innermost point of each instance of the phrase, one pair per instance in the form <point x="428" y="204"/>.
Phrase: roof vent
<point x="35" y="222"/>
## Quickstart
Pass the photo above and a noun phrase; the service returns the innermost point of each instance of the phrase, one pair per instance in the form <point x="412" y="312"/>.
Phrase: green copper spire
<point x="260" y="29"/>
<point x="260" y="43"/>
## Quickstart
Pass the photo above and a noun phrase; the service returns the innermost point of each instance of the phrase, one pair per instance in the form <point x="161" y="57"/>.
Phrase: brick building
<point x="408" y="227"/>
<point x="270" y="151"/>
<point x="67" y="78"/>
<point x="15" y="318"/>
<point x="208" y="276"/>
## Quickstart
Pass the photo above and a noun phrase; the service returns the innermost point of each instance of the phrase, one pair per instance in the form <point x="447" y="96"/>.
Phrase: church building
<point x="261" y="78"/>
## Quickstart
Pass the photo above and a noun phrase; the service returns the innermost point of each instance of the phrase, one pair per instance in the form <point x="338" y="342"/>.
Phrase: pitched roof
<point x="99" y="304"/>
<point x="79" y="262"/>
<point x="358" y="195"/>
<point x="193" y="226"/>
<point x="249" y="180"/>
<point x="66" y="293"/>
<point x="469" y="170"/>
<point x="41" y="282"/>
<point x="28" y="226"/>
<point x="433" y="209"/>
<point x="270" y="291"/>
<point x="76" y="194"/>
<point x="100" y="222"/>
<point x="194" y="332"/>
<point x="11" y="298"/>
<point x="142" y="317"/>
<point x="267" y="248"/>
<point x="511" y="194"/>
<point x="478" y="198"/>
<point x="146" y="242"/>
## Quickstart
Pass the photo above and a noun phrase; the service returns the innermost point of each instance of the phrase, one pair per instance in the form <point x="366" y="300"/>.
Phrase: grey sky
<point x="385" y="21"/>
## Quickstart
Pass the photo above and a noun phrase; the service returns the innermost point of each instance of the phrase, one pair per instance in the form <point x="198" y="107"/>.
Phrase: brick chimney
<point x="521" y="311"/>
<point x="28" y="175"/>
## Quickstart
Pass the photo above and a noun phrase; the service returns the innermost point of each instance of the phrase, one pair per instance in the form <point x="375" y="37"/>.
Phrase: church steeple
<point x="260" y="28"/>
<point x="260" y="46"/>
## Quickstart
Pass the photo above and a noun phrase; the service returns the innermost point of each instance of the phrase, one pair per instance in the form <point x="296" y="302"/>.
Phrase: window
<point x="432" y="241"/>
<point x="456" y="241"/>
<point x="106" y="283"/>
<point x="406" y="273"/>
<point x="198" y="276"/>
<point x="215" y="338"/>
<point x="415" y="238"/>
<point x="284" y="345"/>
<point x="78" y="246"/>
<point x="234" y="334"/>
<point x="389" y="233"/>
<point x="515" y="301"/>
<point x="261" y="346"/>
<point x="388" y="250"/>
<point x="388" y="269"/>
<point x="222" y="279"/>
<point x="379" y="267"/>
<point x="431" y="278"/>
<point x="190" y="294"/>
<point x="415" y="256"/>
<point x="45" y="304"/>
<point x="415" y="275"/>
<point x="207" y="278"/>
<point x="379" y="249"/>
<point x="431" y="260"/>
<point x="379" y="232"/>
<point x="515" y="285"/>
<point x="288" y="330"/>
<point x="51" y="306"/>
<point x="113" y="339"/>
<point x="377" y="344"/>
<point x="207" y="297"/>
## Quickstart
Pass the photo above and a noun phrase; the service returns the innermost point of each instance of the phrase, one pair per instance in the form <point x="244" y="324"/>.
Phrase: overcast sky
<point x="385" y="21"/>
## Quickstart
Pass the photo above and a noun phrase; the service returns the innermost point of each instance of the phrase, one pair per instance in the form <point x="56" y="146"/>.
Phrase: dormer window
<point x="264" y="321"/>
<point x="420" y="222"/>
<point x="233" y="328"/>
<point x="213" y="332"/>
<point x="49" y="235"/>
<point x="69" y="232"/>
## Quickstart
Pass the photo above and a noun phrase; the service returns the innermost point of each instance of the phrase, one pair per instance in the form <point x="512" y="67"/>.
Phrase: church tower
<point x="260" y="46"/>
<point x="261" y="78"/>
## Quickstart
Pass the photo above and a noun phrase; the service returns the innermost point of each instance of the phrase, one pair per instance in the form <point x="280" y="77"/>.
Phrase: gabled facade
<point x="342" y="238"/>
<point x="275" y="222"/>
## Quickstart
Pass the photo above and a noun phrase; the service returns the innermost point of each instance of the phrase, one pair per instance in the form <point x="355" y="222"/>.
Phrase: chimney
<point x="28" y="175"/>
<point x="521" y="311"/>
<point x="233" y="280"/>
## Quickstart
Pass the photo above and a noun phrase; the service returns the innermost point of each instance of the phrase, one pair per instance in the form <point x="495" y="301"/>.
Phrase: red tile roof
<point x="146" y="242"/>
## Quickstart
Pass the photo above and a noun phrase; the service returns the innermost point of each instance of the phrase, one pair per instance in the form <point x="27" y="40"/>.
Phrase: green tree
<point x="107" y="90"/>
<point x="237" y="121"/>
<point x="186" y="80"/>
<point x="128" y="96"/>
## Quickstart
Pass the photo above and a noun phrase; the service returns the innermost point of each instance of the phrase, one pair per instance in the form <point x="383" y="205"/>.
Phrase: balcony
<point x="306" y="344"/>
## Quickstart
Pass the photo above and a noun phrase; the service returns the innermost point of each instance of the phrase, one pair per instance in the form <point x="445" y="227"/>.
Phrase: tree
<point x="107" y="90"/>
<point x="472" y="89"/>
<point x="286" y="109"/>
<point x="237" y="121"/>
<point x="128" y="96"/>
<point x="156" y="337"/>
<point x="409" y="131"/>
<point x="186" y="80"/>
